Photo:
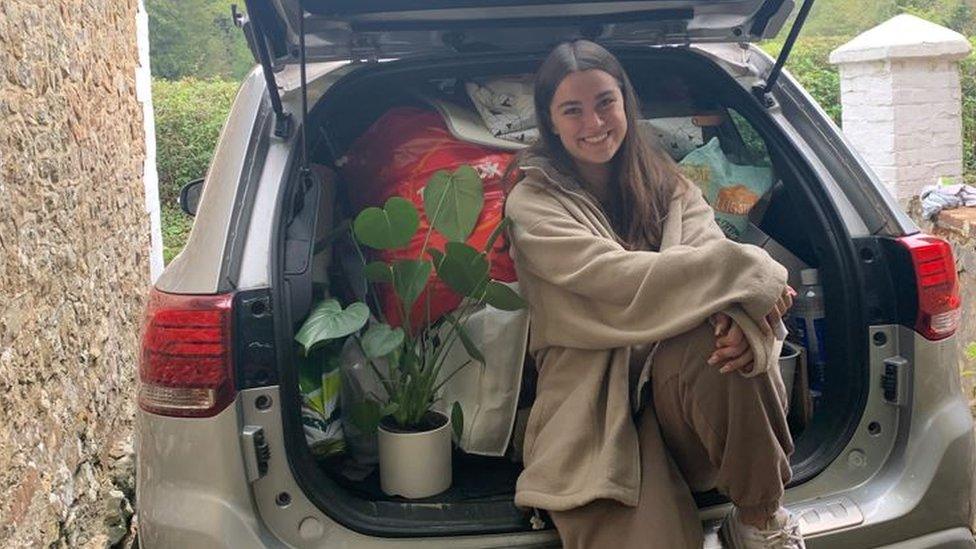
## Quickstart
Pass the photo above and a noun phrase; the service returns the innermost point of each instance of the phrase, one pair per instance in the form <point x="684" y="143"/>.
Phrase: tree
<point x="850" y="17"/>
<point x="196" y="38"/>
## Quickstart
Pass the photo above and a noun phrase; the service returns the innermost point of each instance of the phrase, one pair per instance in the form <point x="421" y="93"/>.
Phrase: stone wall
<point x="74" y="266"/>
<point x="958" y="226"/>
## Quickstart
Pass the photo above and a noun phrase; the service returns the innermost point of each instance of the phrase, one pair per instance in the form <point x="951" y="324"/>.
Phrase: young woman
<point x="651" y="331"/>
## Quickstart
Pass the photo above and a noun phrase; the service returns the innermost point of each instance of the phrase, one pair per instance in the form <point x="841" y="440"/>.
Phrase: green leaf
<point x="365" y="415"/>
<point x="328" y="321"/>
<point x="378" y="271"/>
<point x="457" y="420"/>
<point x="328" y="447"/>
<point x="409" y="279"/>
<point x="462" y="268"/>
<point x="309" y="374"/>
<point x="502" y="225"/>
<point x="390" y="409"/>
<point x="381" y="340"/>
<point x="466" y="340"/>
<point x="453" y="202"/>
<point x="314" y="401"/>
<point x="389" y="227"/>
<point x="502" y="297"/>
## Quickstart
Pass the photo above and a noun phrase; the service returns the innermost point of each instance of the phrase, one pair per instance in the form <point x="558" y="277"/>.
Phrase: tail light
<point x="186" y="364"/>
<point x="939" y="305"/>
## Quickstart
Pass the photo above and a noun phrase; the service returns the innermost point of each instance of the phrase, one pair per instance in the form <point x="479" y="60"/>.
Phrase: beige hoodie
<point x="591" y="301"/>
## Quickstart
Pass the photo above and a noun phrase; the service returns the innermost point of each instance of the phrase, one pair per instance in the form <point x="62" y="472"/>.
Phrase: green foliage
<point x="377" y="271"/>
<point x="955" y="14"/>
<point x="469" y="345"/>
<point x="457" y="419"/>
<point x="391" y="226"/>
<point x="415" y="356"/>
<point x="176" y="228"/>
<point x="453" y="202"/>
<point x="967" y="77"/>
<point x="189" y="115"/>
<point x="833" y="22"/>
<point x="409" y="279"/>
<point x="381" y="340"/>
<point x="329" y="321"/>
<point x="196" y="38"/>
<point x="849" y="17"/>
<point x="809" y="64"/>
<point x="366" y="414"/>
<point x="462" y="268"/>
<point x="502" y="297"/>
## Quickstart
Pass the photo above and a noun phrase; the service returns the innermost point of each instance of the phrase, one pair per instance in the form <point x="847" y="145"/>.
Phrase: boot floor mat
<point x="474" y="478"/>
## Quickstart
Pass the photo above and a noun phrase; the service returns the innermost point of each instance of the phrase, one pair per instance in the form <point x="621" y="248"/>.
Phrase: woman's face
<point x="587" y="113"/>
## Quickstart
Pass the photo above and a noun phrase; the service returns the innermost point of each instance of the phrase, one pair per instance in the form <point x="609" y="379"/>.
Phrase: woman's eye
<point x="607" y="102"/>
<point x="571" y="111"/>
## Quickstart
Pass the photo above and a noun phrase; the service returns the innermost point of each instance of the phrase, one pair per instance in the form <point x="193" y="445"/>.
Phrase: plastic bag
<point x="359" y="382"/>
<point x="318" y="380"/>
<point x="396" y="156"/>
<point x="487" y="393"/>
<point x="732" y="190"/>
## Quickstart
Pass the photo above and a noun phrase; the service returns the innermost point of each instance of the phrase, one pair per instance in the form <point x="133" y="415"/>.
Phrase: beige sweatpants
<point x="703" y="430"/>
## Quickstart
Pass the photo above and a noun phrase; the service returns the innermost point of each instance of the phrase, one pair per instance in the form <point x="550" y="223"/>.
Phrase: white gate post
<point x="901" y="101"/>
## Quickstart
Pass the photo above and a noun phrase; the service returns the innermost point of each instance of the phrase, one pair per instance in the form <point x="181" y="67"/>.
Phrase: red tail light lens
<point x="939" y="305"/>
<point x="186" y="365"/>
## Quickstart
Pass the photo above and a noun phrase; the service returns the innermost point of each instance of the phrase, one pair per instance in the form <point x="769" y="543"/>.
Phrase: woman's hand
<point x="779" y="309"/>
<point x="731" y="347"/>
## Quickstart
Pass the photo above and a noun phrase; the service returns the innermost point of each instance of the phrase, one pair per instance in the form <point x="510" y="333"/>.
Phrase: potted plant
<point x="409" y="360"/>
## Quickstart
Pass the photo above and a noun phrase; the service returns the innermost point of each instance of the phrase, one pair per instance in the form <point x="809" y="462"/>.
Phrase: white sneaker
<point x="782" y="532"/>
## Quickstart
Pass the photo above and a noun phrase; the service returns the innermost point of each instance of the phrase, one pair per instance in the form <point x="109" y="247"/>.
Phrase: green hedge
<point x="967" y="74"/>
<point x="809" y="65"/>
<point x="189" y="116"/>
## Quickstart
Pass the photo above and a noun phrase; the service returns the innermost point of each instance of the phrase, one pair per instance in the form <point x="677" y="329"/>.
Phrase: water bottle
<point x="809" y="324"/>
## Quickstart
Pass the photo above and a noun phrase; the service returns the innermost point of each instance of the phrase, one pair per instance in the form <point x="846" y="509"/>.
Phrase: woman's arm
<point x="630" y="297"/>
<point x="732" y="350"/>
<point x="698" y="224"/>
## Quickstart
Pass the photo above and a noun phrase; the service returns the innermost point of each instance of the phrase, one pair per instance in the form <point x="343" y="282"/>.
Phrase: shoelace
<point x="787" y="535"/>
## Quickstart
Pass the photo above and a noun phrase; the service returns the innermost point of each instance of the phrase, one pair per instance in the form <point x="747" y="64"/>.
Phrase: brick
<point x="914" y="150"/>
<point x="872" y="113"/>
<point x="960" y="220"/>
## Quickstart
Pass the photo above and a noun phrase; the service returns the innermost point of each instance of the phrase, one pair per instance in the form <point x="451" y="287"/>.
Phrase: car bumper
<point x="192" y="492"/>
<point x="190" y="484"/>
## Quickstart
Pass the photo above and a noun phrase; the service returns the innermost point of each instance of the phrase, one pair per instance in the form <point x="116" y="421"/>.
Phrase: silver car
<point x="885" y="458"/>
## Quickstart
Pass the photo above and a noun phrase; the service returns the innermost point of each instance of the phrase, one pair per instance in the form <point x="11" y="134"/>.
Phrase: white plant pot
<point x="415" y="465"/>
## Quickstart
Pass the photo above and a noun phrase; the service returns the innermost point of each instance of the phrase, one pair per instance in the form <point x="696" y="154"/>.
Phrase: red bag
<point x="396" y="156"/>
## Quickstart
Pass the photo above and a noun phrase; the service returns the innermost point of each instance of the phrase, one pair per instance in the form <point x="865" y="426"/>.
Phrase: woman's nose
<point x="593" y="120"/>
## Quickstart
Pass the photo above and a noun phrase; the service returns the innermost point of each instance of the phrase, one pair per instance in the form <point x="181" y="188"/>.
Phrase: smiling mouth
<point x="596" y="139"/>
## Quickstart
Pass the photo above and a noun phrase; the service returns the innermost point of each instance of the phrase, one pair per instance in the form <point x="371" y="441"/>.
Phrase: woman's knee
<point x="689" y="349"/>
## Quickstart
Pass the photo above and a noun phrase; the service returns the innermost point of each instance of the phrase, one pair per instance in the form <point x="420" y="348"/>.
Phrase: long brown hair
<point x="644" y="179"/>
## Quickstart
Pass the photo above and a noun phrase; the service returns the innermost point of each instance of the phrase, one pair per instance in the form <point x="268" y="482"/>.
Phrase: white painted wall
<point x="901" y="101"/>
<point x="150" y="177"/>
